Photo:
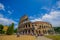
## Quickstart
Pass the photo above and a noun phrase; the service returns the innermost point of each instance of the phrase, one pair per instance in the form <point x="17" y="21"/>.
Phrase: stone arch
<point x="44" y="31"/>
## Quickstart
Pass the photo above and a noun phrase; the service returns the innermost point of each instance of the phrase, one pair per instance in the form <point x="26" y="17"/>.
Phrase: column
<point x="47" y="32"/>
<point x="27" y="25"/>
<point x="41" y="31"/>
<point x="30" y="32"/>
<point x="31" y="25"/>
<point x="24" y="31"/>
<point x="27" y="31"/>
<point x="36" y="34"/>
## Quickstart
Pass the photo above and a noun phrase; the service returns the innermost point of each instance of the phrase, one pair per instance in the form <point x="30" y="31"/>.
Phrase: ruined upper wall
<point x="42" y="23"/>
<point x="24" y="19"/>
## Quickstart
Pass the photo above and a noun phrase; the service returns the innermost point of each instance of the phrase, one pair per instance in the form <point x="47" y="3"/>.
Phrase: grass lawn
<point x="54" y="37"/>
<point x="14" y="37"/>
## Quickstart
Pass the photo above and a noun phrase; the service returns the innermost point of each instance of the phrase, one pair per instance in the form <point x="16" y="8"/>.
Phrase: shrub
<point x="10" y="30"/>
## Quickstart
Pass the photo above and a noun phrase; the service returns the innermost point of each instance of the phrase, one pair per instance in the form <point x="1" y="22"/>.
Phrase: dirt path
<point x="42" y="38"/>
<point x="23" y="37"/>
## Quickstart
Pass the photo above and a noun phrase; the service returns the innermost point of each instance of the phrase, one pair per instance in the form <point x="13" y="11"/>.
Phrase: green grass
<point x="54" y="37"/>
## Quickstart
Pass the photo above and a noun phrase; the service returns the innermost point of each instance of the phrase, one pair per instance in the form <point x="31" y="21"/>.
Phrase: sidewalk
<point x="42" y="38"/>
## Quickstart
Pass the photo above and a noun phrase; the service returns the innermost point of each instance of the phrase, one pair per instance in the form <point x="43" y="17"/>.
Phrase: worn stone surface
<point x="42" y="38"/>
<point x="37" y="28"/>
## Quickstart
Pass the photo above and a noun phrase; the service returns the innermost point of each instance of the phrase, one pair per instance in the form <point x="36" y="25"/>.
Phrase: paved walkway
<point x="42" y="38"/>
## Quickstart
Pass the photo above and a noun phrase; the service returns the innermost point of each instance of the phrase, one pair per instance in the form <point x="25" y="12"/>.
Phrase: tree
<point x="57" y="29"/>
<point x="10" y="30"/>
<point x="1" y="28"/>
<point x="15" y="31"/>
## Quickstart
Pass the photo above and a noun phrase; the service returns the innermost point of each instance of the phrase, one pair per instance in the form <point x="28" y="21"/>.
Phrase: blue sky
<point x="37" y="10"/>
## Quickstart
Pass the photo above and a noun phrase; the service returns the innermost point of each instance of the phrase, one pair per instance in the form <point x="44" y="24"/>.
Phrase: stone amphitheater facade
<point x="26" y="27"/>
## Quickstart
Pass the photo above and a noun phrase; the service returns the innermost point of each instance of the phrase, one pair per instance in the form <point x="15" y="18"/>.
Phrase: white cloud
<point x="58" y="4"/>
<point x="31" y="17"/>
<point x="1" y="15"/>
<point x="36" y="20"/>
<point x="53" y="17"/>
<point x="3" y="20"/>
<point x="9" y="12"/>
<point x="2" y="6"/>
<point x="45" y="8"/>
<point x="16" y="26"/>
<point x="6" y="21"/>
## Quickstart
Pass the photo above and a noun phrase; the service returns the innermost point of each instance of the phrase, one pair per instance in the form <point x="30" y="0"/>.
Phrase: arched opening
<point x="26" y="25"/>
<point x="44" y="32"/>
<point x="39" y="32"/>
<point x="25" y="31"/>
<point x="29" y="25"/>
<point x="29" y="31"/>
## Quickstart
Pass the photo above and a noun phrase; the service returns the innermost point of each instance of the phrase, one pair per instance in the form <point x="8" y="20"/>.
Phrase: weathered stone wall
<point x="33" y="28"/>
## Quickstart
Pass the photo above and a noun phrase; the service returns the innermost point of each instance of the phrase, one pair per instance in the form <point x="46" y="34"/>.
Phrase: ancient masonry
<point x="33" y="28"/>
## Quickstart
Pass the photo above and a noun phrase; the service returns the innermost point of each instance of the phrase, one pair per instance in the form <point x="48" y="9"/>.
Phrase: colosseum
<point x="26" y="27"/>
